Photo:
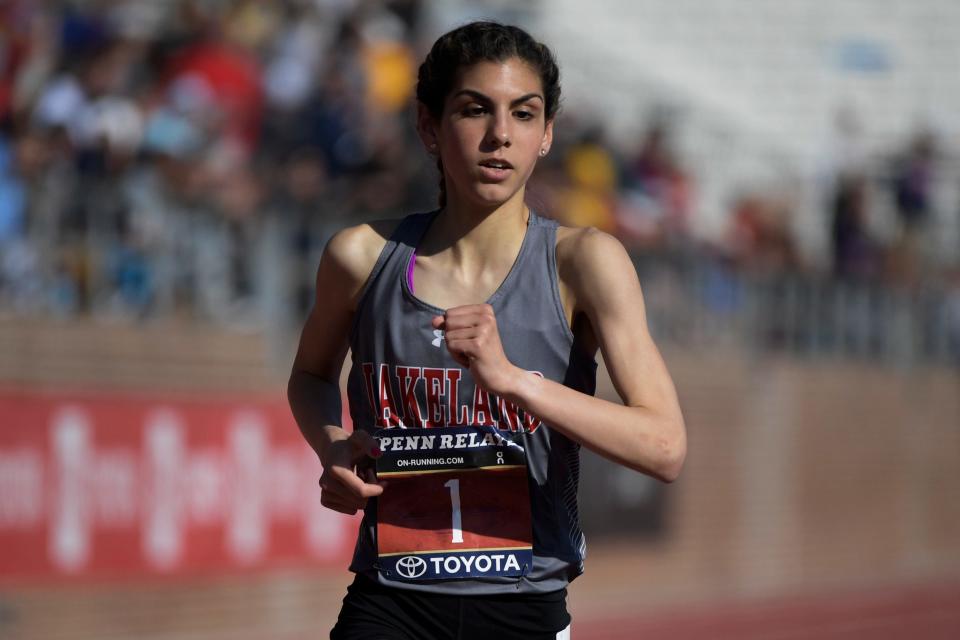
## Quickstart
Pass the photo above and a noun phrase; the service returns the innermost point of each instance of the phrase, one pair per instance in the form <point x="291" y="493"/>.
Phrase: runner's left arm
<point x="646" y="432"/>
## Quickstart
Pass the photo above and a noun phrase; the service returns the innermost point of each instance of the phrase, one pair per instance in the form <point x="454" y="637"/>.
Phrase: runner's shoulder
<point x="352" y="252"/>
<point x="586" y="253"/>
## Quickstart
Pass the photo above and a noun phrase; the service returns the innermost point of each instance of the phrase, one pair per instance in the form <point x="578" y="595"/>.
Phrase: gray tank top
<point x="391" y="330"/>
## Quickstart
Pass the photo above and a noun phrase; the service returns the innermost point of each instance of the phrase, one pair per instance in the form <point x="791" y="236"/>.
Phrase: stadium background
<point x="784" y="173"/>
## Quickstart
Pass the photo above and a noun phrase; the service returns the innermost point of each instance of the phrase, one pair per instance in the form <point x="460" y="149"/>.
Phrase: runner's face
<point x="492" y="131"/>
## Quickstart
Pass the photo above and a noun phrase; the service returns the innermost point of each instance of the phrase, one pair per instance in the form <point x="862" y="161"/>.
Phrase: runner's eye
<point x="473" y="111"/>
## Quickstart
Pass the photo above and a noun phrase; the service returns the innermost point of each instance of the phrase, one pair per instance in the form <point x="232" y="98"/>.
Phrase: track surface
<point x="921" y="612"/>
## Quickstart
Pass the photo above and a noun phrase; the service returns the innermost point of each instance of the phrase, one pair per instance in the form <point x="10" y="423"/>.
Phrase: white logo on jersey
<point x="439" y="337"/>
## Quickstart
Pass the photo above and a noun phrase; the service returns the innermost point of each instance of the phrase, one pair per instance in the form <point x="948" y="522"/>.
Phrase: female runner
<point x="479" y="316"/>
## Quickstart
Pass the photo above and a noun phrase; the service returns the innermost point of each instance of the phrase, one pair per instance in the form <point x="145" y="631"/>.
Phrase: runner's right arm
<point x="313" y="390"/>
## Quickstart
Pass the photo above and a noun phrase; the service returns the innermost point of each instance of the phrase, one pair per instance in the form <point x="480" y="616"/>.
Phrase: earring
<point x="543" y="152"/>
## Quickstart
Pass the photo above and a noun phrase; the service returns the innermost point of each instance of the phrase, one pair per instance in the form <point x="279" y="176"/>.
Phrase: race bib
<point x="456" y="505"/>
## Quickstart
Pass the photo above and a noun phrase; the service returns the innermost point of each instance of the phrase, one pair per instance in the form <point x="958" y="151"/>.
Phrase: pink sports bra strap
<point x="410" y="265"/>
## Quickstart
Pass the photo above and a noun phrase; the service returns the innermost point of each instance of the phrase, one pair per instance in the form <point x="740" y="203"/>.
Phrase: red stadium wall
<point x="99" y="486"/>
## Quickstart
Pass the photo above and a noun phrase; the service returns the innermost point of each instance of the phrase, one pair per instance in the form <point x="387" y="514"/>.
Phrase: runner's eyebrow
<point x="479" y="97"/>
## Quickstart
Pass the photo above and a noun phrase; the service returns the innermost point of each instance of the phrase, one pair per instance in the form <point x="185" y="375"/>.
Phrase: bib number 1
<point x="457" y="525"/>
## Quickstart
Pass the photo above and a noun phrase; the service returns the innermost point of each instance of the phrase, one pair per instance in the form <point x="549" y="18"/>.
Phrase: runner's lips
<point x="495" y="163"/>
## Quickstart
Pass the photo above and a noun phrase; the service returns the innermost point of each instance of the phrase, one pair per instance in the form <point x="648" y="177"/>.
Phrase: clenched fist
<point x="473" y="340"/>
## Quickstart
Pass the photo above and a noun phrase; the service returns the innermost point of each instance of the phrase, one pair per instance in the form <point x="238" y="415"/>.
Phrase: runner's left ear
<point x="547" y="140"/>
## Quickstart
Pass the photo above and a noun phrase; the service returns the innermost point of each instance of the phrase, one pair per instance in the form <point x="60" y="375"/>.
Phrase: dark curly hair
<point x="479" y="42"/>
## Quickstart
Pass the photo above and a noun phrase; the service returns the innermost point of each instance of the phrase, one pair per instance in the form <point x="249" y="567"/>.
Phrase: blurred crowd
<point x="162" y="157"/>
<point x="191" y="157"/>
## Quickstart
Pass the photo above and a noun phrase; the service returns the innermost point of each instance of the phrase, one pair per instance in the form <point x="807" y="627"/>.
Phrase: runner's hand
<point x="345" y="486"/>
<point x="472" y="338"/>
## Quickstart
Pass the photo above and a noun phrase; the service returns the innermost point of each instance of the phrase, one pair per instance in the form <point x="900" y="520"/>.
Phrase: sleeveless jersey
<point x="403" y="376"/>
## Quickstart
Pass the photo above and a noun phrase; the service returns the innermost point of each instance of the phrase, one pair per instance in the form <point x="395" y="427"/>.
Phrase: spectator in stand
<point x="760" y="240"/>
<point x="913" y="178"/>
<point x="303" y="193"/>
<point x="18" y="261"/>
<point x="854" y="251"/>
<point x="591" y="171"/>
<point x="224" y="59"/>
<point x="913" y="190"/>
<point x="657" y="201"/>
